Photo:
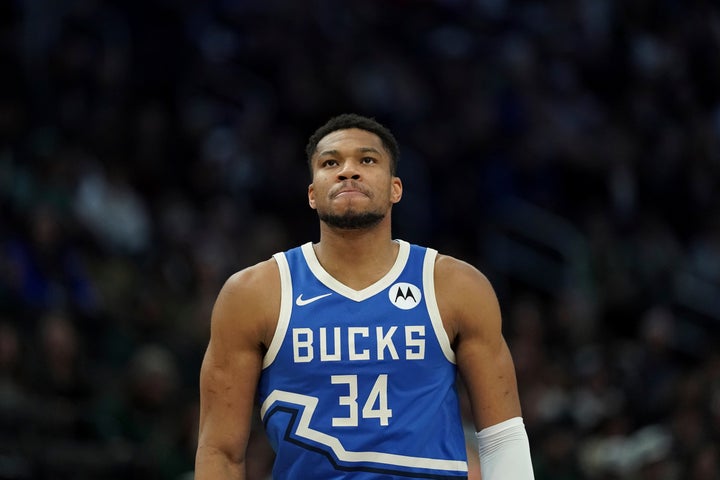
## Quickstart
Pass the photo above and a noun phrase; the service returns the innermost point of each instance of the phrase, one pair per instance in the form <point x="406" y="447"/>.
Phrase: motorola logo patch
<point x="404" y="295"/>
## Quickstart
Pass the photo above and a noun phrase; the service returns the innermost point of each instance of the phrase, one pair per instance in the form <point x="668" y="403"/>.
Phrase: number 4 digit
<point x="378" y="395"/>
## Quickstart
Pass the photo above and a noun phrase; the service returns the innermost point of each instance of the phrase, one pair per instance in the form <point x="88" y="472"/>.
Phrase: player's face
<point x="352" y="185"/>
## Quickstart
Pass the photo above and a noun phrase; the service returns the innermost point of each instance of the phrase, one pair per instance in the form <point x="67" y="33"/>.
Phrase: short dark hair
<point x="352" y="120"/>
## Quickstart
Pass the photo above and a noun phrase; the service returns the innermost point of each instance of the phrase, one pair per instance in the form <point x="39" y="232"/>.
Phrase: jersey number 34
<point x="375" y="406"/>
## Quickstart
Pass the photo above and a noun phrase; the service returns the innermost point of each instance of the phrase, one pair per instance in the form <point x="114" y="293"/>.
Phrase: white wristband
<point x="504" y="451"/>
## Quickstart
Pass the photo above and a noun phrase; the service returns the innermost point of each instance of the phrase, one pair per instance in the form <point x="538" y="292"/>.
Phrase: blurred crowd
<point x="570" y="149"/>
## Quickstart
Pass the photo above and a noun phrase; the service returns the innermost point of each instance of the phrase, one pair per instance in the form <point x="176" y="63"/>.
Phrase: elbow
<point x="212" y="462"/>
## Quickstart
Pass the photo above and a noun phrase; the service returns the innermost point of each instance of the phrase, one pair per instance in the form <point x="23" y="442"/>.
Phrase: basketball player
<point x="352" y="344"/>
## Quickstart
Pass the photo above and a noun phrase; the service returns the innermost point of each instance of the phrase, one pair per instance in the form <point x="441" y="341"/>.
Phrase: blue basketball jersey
<point x="360" y="384"/>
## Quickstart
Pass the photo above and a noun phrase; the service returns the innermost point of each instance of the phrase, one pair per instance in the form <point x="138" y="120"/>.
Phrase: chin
<point x="352" y="220"/>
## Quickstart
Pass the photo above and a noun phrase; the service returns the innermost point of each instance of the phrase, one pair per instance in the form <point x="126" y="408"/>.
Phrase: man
<point x="353" y="343"/>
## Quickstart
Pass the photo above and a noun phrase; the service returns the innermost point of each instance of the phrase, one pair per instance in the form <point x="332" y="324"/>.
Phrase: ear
<point x="397" y="189"/>
<point x="311" y="196"/>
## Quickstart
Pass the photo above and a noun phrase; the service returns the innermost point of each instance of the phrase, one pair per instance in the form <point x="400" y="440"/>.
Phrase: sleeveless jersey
<point x="360" y="384"/>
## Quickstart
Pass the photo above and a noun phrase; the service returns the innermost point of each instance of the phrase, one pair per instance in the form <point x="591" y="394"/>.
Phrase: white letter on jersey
<point x="324" y="355"/>
<point x="304" y="345"/>
<point x="415" y="344"/>
<point x="385" y="341"/>
<point x="352" y="332"/>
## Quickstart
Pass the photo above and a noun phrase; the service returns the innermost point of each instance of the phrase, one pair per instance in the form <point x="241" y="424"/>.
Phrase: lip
<point x="349" y="190"/>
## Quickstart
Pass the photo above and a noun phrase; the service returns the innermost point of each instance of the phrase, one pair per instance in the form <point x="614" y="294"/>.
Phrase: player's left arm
<point x="471" y="315"/>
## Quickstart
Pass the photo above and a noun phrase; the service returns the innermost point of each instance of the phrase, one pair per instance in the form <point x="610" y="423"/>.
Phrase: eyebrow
<point x="361" y="150"/>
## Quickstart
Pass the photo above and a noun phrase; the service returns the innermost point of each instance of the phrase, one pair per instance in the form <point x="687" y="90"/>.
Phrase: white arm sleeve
<point x="505" y="451"/>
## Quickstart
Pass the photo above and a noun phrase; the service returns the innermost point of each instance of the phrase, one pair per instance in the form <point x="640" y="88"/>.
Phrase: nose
<point x="349" y="170"/>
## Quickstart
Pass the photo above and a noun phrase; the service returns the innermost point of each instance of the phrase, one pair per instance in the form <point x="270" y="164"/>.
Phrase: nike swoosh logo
<point x="300" y="302"/>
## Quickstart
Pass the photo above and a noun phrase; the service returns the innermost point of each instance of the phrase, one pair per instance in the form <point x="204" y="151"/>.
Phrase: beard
<point x="352" y="220"/>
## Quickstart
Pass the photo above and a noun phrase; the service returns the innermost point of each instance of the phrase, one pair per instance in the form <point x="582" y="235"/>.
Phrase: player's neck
<point x="357" y="258"/>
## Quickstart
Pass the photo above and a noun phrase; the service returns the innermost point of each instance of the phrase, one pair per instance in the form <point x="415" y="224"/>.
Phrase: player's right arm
<point x="242" y="323"/>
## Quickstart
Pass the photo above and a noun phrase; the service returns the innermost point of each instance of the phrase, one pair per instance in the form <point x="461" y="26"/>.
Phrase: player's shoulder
<point x="257" y="277"/>
<point x="459" y="274"/>
<point x="248" y="302"/>
<point x="253" y="289"/>
<point x="465" y="297"/>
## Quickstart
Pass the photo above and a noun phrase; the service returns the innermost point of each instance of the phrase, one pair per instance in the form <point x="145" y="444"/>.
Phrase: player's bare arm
<point x="471" y="314"/>
<point x="242" y="324"/>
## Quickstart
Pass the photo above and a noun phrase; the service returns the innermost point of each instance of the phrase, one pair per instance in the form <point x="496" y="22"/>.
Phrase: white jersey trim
<point x="432" y="306"/>
<point x="357" y="295"/>
<point x="286" y="294"/>
<point x="309" y="405"/>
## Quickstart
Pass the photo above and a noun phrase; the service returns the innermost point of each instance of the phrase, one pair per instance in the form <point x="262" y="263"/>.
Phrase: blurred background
<point x="569" y="149"/>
